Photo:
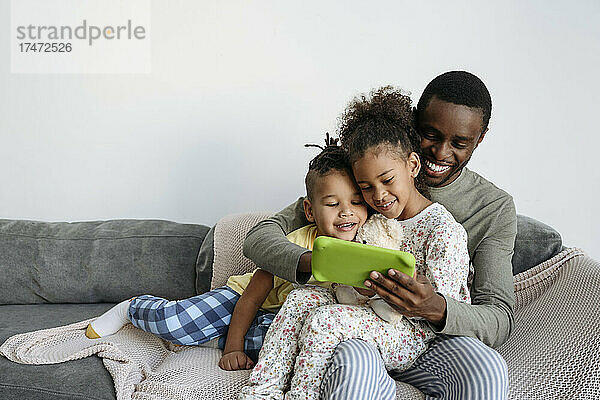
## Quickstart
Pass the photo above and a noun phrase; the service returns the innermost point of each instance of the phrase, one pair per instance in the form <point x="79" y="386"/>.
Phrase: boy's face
<point x="449" y="135"/>
<point x="337" y="207"/>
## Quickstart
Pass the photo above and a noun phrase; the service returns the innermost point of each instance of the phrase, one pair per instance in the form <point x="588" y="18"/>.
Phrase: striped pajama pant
<point x="453" y="368"/>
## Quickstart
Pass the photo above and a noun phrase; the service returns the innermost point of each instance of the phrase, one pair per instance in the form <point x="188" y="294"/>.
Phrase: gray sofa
<point x="58" y="273"/>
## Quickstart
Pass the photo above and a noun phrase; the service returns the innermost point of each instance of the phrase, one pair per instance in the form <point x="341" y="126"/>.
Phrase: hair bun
<point x="329" y="142"/>
<point x="386" y="103"/>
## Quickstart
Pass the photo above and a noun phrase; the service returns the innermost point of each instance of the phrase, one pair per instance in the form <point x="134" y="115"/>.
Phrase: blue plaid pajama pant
<point x="198" y="319"/>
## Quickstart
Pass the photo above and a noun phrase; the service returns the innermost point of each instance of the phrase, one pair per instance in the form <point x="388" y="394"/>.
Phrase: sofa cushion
<point x="77" y="380"/>
<point x="98" y="261"/>
<point x="204" y="263"/>
<point x="535" y="243"/>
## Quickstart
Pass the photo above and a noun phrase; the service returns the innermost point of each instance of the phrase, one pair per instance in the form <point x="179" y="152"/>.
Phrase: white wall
<point x="238" y="87"/>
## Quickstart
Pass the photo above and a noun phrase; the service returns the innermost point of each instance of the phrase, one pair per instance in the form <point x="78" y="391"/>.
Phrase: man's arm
<point x="252" y="298"/>
<point x="490" y="316"/>
<point x="267" y="246"/>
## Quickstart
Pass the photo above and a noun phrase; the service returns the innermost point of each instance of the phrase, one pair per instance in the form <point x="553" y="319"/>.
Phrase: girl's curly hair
<point x="385" y="117"/>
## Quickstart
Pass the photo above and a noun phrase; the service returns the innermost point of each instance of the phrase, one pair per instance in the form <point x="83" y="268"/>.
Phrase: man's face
<point x="449" y="134"/>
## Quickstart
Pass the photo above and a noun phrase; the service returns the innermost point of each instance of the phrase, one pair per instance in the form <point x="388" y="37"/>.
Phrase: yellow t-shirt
<point x="304" y="237"/>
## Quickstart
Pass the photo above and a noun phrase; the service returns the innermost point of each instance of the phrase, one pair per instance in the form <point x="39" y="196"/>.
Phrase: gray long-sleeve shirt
<point x="488" y="215"/>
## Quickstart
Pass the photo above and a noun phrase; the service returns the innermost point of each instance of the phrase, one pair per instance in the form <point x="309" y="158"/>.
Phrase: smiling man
<point x="452" y="120"/>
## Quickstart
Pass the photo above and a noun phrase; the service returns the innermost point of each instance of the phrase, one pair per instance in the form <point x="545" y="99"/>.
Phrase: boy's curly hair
<point x="385" y="117"/>
<point x="331" y="158"/>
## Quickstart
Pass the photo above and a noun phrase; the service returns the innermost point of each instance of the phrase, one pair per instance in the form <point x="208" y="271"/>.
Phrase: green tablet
<point x="350" y="263"/>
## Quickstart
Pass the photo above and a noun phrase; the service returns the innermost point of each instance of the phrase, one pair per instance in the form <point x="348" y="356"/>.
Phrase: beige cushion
<point x="230" y="233"/>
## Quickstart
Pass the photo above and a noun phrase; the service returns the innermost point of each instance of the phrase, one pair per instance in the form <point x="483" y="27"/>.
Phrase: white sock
<point x="109" y="322"/>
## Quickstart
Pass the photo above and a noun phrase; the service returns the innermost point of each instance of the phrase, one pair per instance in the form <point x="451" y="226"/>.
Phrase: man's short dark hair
<point x="461" y="88"/>
<point x="331" y="158"/>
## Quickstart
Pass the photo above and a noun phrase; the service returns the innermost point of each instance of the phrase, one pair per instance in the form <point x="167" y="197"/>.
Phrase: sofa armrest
<point x="229" y="235"/>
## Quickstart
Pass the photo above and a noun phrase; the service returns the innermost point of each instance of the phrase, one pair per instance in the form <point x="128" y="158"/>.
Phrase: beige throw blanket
<point x="142" y="366"/>
<point x="554" y="349"/>
<point x="553" y="352"/>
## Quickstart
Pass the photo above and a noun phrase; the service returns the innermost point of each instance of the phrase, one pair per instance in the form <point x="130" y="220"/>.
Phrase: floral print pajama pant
<point x="302" y="338"/>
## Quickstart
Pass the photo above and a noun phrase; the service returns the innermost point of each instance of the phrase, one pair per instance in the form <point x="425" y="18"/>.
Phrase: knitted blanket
<point x="554" y="349"/>
<point x="142" y="366"/>
<point x="553" y="352"/>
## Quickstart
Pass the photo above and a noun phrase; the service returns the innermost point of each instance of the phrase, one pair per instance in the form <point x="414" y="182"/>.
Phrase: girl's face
<point x="387" y="182"/>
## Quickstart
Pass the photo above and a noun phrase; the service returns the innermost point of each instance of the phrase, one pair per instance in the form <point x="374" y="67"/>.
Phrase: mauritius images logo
<point x="87" y="32"/>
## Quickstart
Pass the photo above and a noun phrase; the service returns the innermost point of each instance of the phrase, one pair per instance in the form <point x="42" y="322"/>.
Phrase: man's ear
<point x="481" y="137"/>
<point x="308" y="210"/>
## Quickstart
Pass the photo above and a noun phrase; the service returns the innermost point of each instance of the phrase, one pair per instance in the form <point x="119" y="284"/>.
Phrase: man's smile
<point x="436" y="169"/>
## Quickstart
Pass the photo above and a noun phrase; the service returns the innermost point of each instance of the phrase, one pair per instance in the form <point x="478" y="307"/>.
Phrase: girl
<point x="379" y="134"/>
